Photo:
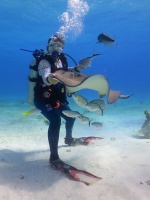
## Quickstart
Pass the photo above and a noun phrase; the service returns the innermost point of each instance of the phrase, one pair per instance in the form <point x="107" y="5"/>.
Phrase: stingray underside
<point x="76" y="81"/>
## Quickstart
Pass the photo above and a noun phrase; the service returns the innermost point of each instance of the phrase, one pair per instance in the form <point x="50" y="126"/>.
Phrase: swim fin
<point x="85" y="140"/>
<point x="75" y="174"/>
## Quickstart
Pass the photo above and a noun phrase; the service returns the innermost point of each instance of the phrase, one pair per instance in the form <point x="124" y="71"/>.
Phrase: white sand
<point x="121" y="158"/>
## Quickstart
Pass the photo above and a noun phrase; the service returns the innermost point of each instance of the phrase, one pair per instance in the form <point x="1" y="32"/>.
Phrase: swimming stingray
<point x="77" y="81"/>
<point x="105" y="39"/>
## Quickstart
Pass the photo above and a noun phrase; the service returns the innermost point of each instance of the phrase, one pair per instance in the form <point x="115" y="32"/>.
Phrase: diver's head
<point x="56" y="43"/>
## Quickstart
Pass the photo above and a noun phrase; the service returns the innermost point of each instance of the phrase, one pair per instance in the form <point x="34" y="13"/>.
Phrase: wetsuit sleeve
<point x="44" y="69"/>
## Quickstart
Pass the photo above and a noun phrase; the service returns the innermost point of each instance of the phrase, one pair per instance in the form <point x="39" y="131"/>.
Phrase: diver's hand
<point x="80" y="67"/>
<point x="52" y="80"/>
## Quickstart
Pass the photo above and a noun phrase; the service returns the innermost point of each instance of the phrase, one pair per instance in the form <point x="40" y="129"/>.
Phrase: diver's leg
<point x="53" y="134"/>
<point x="53" y="130"/>
<point x="69" y="124"/>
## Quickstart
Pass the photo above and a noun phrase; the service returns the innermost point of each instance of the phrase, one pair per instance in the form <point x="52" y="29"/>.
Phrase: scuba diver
<point x="50" y="95"/>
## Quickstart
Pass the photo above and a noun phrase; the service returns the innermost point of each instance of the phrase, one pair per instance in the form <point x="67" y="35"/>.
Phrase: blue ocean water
<point x="24" y="151"/>
<point x="29" y="23"/>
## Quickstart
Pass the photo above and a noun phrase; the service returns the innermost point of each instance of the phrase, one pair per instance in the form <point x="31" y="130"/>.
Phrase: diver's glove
<point x="79" y="67"/>
<point x="37" y="53"/>
<point x="75" y="69"/>
<point x="51" y="80"/>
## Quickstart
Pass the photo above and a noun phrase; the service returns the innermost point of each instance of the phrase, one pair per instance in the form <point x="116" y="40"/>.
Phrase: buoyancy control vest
<point x="36" y="87"/>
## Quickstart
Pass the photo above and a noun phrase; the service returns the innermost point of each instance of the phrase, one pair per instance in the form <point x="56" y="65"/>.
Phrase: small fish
<point x="94" y="107"/>
<point x="31" y="111"/>
<point x="84" y="63"/>
<point x="83" y="120"/>
<point x="96" y="125"/>
<point x="80" y="101"/>
<point x="71" y="113"/>
<point x="105" y="39"/>
<point x="123" y="96"/>
<point x="100" y="102"/>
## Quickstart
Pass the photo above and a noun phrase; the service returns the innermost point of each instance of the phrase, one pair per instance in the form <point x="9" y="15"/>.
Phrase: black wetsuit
<point x="51" y="100"/>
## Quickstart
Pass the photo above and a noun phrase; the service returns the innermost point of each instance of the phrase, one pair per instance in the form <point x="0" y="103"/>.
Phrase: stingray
<point x="105" y="39"/>
<point x="77" y="81"/>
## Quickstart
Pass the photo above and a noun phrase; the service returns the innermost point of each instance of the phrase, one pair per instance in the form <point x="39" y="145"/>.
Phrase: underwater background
<point x="28" y="24"/>
<point x="121" y="158"/>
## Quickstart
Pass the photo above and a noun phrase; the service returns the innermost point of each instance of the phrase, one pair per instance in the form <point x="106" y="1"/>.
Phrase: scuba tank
<point x="32" y="82"/>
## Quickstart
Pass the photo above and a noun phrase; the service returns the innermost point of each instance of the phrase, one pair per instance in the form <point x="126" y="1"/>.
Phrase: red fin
<point x="89" y="139"/>
<point x="77" y="174"/>
<point x="83" y="176"/>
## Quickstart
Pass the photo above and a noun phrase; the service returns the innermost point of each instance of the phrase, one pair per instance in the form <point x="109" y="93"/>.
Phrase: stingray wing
<point x="70" y="79"/>
<point x="95" y="82"/>
<point x="76" y="81"/>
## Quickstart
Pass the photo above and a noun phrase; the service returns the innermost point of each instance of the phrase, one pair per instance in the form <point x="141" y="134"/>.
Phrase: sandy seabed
<point x="122" y="158"/>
